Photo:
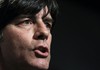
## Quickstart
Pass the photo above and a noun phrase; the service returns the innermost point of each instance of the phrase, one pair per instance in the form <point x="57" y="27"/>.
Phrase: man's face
<point x="26" y="44"/>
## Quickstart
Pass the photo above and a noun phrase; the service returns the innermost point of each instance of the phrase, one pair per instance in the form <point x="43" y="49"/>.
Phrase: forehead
<point x="43" y="12"/>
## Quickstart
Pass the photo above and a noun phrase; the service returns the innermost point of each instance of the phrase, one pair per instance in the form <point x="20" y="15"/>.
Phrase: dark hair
<point x="10" y="9"/>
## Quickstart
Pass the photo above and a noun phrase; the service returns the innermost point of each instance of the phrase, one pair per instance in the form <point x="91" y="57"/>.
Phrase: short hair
<point x="10" y="9"/>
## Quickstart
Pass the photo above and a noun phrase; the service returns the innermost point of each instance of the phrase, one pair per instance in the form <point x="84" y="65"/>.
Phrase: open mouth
<point x="41" y="52"/>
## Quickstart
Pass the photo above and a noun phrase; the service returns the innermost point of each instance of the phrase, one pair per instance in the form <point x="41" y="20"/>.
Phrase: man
<point x="25" y="33"/>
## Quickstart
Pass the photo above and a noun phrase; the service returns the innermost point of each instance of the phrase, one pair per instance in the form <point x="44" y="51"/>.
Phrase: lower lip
<point x="41" y="54"/>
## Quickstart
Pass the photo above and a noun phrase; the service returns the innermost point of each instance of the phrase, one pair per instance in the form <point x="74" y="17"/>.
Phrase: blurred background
<point x="76" y="36"/>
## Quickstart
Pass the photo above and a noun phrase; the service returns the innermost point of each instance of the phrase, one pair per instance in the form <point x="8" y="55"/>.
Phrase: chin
<point x="39" y="64"/>
<point x="42" y="65"/>
<point x="42" y="68"/>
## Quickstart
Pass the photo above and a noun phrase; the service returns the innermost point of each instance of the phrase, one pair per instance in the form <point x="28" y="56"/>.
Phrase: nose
<point x="41" y="32"/>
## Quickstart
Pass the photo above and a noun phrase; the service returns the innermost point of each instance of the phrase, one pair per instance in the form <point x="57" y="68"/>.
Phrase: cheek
<point x="15" y="42"/>
<point x="49" y="39"/>
<point x="17" y="39"/>
<point x="15" y="34"/>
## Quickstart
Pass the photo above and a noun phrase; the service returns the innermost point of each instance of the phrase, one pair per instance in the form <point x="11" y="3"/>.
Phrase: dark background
<point x="76" y="36"/>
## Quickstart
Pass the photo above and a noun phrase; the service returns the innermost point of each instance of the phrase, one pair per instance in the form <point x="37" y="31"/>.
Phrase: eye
<point x="25" y="24"/>
<point x="48" y="24"/>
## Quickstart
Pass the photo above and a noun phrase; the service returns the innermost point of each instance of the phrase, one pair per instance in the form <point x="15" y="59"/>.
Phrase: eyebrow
<point x="24" y="16"/>
<point x="46" y="18"/>
<point x="20" y="17"/>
